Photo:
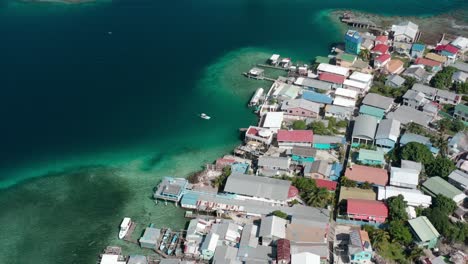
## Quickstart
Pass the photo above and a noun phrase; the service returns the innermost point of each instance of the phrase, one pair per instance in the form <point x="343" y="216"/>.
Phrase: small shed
<point x="371" y="157"/>
<point x="150" y="238"/>
<point x="424" y="232"/>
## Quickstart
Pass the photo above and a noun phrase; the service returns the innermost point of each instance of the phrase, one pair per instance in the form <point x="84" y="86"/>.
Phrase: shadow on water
<point x="71" y="213"/>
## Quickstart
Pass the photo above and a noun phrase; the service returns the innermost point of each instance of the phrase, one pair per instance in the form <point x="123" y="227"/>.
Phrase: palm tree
<point x="318" y="197"/>
<point x="379" y="238"/>
<point x="364" y="54"/>
<point x="415" y="253"/>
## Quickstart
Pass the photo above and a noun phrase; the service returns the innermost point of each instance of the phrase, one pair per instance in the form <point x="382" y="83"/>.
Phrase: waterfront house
<point x="150" y="238"/>
<point x="366" y="210"/>
<point x="433" y="66"/>
<point x="414" y="99"/>
<point x="395" y="81"/>
<point x="345" y="59"/>
<point x="273" y="120"/>
<point x="448" y="51"/>
<point x="394" y="66"/>
<point x="378" y="101"/>
<point x="387" y="134"/>
<point x="240" y="167"/>
<point x="319" y="169"/>
<point x="333" y="69"/>
<point x="334" y="79"/>
<point x="416" y="71"/>
<point x="256" y="73"/>
<point x="313" y="84"/>
<point x="259" y="134"/>
<point x="189" y="200"/>
<point x="339" y="112"/>
<point x="328" y="142"/>
<point x="424" y="233"/>
<point x="381" y="61"/>
<point x="301" y="107"/>
<point x="459" y="179"/>
<point x="171" y="189"/>
<point x="303" y="155"/>
<point x="413" y="197"/>
<point x="436" y="185"/>
<point x="271" y="166"/>
<point x="360" y="248"/>
<point x="327" y="184"/>
<point x="225" y="255"/>
<point x="417" y="50"/>
<point x="274" y="59"/>
<point x="221" y="163"/>
<point x="322" y="59"/>
<point x="370" y="157"/>
<point x="353" y="42"/>
<point x="209" y="245"/>
<point x="285" y="91"/>
<point x="272" y="228"/>
<point x="406" y="115"/>
<point x="357" y="193"/>
<point x="345" y="97"/>
<point x="359" y="82"/>
<point x="405" y="32"/>
<point x="459" y="77"/>
<point x="319" y="98"/>
<point x="403" y="177"/>
<point x="289" y="138"/>
<point x="364" y="130"/>
<point x="258" y="188"/>
<point x="361" y="174"/>
<point x="460" y="43"/>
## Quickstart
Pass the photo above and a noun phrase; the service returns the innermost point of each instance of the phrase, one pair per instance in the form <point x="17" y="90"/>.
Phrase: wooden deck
<point x="128" y="236"/>
<point x="272" y="67"/>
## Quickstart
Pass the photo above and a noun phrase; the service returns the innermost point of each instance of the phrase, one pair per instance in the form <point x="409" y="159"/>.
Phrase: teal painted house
<point x="424" y="233"/>
<point x="370" y="157"/>
<point x="372" y="111"/>
<point x="353" y="42"/>
<point x="327" y="142"/>
<point x="360" y="248"/>
<point x="303" y="155"/>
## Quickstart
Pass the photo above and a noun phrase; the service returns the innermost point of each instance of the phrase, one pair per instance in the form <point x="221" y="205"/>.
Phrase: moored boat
<point x="124" y="227"/>
<point x="205" y="116"/>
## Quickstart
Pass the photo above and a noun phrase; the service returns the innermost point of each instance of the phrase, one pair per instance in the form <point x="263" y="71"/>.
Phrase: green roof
<point x="321" y="59"/>
<point x="437" y="185"/>
<point x="461" y="107"/>
<point x="348" y="57"/>
<point x="367" y="154"/>
<point x="423" y="228"/>
<point x="445" y="114"/>
<point x="372" y="111"/>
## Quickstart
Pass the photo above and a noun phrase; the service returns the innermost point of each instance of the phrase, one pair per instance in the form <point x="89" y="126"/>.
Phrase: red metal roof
<point x="252" y="131"/>
<point x="372" y="175"/>
<point x="367" y="207"/>
<point x="283" y="250"/>
<point x="329" y="185"/>
<point x="448" y="48"/>
<point x="383" y="58"/>
<point x="333" y="78"/>
<point x="293" y="192"/>
<point x="380" y="48"/>
<point x="427" y="62"/>
<point x="381" y="39"/>
<point x="295" y="136"/>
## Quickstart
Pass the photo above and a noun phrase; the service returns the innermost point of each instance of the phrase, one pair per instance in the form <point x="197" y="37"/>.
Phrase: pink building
<point x="367" y="210"/>
<point x="301" y="107"/>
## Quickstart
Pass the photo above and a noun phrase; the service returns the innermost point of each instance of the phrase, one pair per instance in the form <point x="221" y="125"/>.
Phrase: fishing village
<point x="359" y="156"/>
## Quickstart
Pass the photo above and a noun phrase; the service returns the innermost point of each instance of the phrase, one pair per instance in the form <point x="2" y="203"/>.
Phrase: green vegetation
<point x="311" y="194"/>
<point x="299" y="125"/>
<point x="416" y="152"/>
<point x="443" y="79"/>
<point x="366" y="186"/>
<point x="345" y="182"/>
<point x="453" y="125"/>
<point x="379" y="87"/>
<point x="280" y="214"/>
<point x="439" y="213"/>
<point x="220" y="181"/>
<point x="440" y="166"/>
<point x="364" y="55"/>
<point x="319" y="128"/>
<point x="461" y="88"/>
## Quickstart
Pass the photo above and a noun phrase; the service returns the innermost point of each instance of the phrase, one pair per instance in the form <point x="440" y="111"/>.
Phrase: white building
<point x="359" y="82"/>
<point x="273" y="120"/>
<point x="405" y="32"/>
<point x="345" y="97"/>
<point x="412" y="196"/>
<point x="271" y="229"/>
<point x="338" y="70"/>
<point x="406" y="178"/>
<point x="305" y="258"/>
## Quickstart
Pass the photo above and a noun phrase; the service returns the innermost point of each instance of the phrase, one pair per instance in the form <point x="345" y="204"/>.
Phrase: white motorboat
<point x="205" y="116"/>
<point x="124" y="227"/>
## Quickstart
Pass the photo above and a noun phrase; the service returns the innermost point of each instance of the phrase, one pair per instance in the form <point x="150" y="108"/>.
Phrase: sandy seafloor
<point x="93" y="120"/>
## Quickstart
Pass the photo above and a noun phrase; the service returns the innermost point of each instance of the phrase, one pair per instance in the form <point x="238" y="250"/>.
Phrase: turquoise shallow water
<point x="91" y="120"/>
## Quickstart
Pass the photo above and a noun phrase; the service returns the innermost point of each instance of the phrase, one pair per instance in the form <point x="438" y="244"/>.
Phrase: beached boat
<point x="204" y="116"/>
<point x="124" y="227"/>
<point x="172" y="246"/>
<point x="164" y="239"/>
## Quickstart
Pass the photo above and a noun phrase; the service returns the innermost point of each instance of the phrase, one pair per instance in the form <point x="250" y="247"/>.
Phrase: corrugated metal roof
<point x="388" y="129"/>
<point x="423" y="228"/>
<point x="460" y="177"/>
<point x="372" y="111"/>
<point x="317" y="97"/>
<point x="365" y="126"/>
<point x="257" y="186"/>
<point x="437" y="185"/>
<point x="367" y="154"/>
<point x="273" y="226"/>
<point x="378" y="101"/>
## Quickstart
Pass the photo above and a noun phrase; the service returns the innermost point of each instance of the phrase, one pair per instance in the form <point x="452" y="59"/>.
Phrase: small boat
<point x="171" y="247"/>
<point x="164" y="239"/>
<point x="205" y="116"/>
<point x="124" y="226"/>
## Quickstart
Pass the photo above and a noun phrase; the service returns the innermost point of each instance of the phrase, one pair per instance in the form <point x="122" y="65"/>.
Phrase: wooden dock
<point x="357" y="23"/>
<point x="128" y="236"/>
<point x="272" y="67"/>
<point x="258" y="78"/>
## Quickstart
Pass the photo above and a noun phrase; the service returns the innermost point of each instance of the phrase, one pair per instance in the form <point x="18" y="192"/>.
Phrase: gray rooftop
<point x="225" y="255"/>
<point x="336" y="109"/>
<point x="409" y="164"/>
<point x="249" y="236"/>
<point x="304" y="151"/>
<point x="378" y="101"/>
<point x="388" y="129"/>
<point x="460" y="177"/>
<point x="365" y="126"/>
<point x="414" y="96"/>
<point x="257" y="186"/>
<point x="406" y="115"/>
<point x="396" y="79"/>
<point x="462" y="66"/>
<point x="151" y="235"/>
<point x="415" y="71"/>
<point x="313" y="83"/>
<point x="427" y="90"/>
<point x="301" y="103"/>
<point x="277" y="162"/>
<point x="447" y="94"/>
<point x="319" y="166"/>
<point x="319" y="139"/>
<point x="272" y="226"/>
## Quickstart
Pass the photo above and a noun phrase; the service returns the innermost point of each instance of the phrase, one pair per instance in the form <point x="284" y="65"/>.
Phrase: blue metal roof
<point x="410" y="137"/>
<point x="240" y="167"/>
<point x="418" y="47"/>
<point x="190" y="198"/>
<point x="316" y="97"/>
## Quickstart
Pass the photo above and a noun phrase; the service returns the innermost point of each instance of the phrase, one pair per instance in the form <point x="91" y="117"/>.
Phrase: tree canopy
<point x="299" y="125"/>
<point x="443" y="78"/>
<point x="416" y="152"/>
<point x="280" y="214"/>
<point x="400" y="232"/>
<point x="397" y="208"/>
<point x="440" y="166"/>
<point x="319" y="128"/>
